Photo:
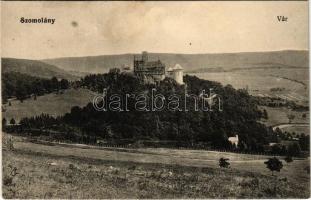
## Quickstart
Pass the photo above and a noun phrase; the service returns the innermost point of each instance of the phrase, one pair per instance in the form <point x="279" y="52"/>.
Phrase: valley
<point x="75" y="163"/>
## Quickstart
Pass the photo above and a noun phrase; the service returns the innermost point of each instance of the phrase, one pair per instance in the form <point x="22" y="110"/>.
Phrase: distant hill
<point x="245" y="68"/>
<point x="190" y="62"/>
<point x="35" y="68"/>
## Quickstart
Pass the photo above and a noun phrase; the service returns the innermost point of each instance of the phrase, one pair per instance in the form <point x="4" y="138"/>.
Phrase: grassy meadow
<point x="259" y="82"/>
<point x="280" y="116"/>
<point x="261" y="79"/>
<point x="79" y="171"/>
<point x="297" y="129"/>
<point x="52" y="104"/>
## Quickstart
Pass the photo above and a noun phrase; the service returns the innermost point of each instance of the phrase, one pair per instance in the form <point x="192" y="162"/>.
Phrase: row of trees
<point x="21" y="86"/>
<point x="278" y="102"/>
<point x="239" y="116"/>
<point x="303" y="139"/>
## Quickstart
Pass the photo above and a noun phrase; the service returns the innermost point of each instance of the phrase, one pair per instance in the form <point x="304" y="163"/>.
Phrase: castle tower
<point x="169" y="72"/>
<point x="178" y="74"/>
<point x="145" y="56"/>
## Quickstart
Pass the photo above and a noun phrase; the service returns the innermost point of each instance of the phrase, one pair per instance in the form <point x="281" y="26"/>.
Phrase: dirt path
<point x="280" y="126"/>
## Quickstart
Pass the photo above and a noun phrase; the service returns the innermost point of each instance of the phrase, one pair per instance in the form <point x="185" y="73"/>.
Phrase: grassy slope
<point x="53" y="104"/>
<point x="63" y="172"/>
<point x="279" y="116"/>
<point x="297" y="129"/>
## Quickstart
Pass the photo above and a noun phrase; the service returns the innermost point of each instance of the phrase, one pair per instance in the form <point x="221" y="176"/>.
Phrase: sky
<point x="99" y="28"/>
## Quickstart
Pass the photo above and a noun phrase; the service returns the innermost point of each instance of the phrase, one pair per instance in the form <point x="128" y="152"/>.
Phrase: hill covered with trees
<point x="239" y="116"/>
<point x="34" y="68"/>
<point x="22" y="86"/>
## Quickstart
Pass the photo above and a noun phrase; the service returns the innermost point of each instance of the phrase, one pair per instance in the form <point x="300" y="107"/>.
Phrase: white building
<point x="176" y="73"/>
<point x="234" y="140"/>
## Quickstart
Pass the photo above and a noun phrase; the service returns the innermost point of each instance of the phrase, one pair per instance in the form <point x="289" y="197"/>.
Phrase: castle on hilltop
<point x="155" y="71"/>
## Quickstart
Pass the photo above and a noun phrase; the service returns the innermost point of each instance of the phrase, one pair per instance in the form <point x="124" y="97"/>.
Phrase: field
<point x="280" y="116"/>
<point x="297" y="129"/>
<point x="260" y="81"/>
<point x="53" y="104"/>
<point x="79" y="171"/>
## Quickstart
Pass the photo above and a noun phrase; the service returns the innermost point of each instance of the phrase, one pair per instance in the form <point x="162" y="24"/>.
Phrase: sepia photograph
<point x="155" y="100"/>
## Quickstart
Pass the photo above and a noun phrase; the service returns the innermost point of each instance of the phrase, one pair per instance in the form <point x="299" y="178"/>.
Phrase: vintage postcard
<point x="155" y="100"/>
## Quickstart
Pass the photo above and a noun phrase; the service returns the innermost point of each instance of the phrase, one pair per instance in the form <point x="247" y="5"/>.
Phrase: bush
<point x="12" y="121"/>
<point x="8" y="180"/>
<point x="223" y="162"/>
<point x="71" y="166"/>
<point x="307" y="168"/>
<point x="274" y="164"/>
<point x="294" y="149"/>
<point x="8" y="177"/>
<point x="4" y="122"/>
<point x="8" y="142"/>
<point x="288" y="159"/>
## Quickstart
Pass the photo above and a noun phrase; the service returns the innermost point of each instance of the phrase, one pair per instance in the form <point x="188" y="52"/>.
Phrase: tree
<point x="290" y="117"/>
<point x="279" y="133"/>
<point x="304" y="142"/>
<point x="64" y="84"/>
<point x="223" y="162"/>
<point x="265" y="114"/>
<point x="4" y="122"/>
<point x="54" y="83"/>
<point x="274" y="164"/>
<point x="182" y="128"/>
<point x="277" y="149"/>
<point x="307" y="168"/>
<point x="21" y="92"/>
<point x="12" y="121"/>
<point x="219" y="139"/>
<point x="294" y="149"/>
<point x="288" y="159"/>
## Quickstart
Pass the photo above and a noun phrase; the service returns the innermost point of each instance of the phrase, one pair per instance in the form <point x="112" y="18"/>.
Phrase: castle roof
<point x="152" y="64"/>
<point x="177" y="67"/>
<point x="170" y="69"/>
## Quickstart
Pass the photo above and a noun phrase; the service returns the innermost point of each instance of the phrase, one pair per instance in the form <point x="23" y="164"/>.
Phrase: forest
<point x="21" y="86"/>
<point x="239" y="116"/>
